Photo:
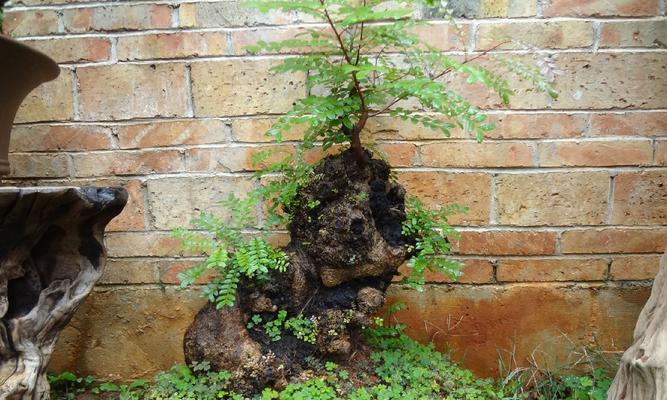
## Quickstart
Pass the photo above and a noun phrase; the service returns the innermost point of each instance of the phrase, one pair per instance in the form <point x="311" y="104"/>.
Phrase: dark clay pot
<point x="22" y="69"/>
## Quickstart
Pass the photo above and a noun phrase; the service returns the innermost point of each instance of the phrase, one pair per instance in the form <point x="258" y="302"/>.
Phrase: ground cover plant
<point x="398" y="368"/>
<point x="351" y="225"/>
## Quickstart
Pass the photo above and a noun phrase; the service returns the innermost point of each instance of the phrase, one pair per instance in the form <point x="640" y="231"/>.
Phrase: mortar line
<point x="115" y="142"/>
<point x="597" y="29"/>
<point x="189" y="98"/>
<point x="493" y="202"/>
<point x="61" y="22"/>
<point x="489" y="258"/>
<point x="175" y="16"/>
<point x="472" y="41"/>
<point x="539" y="8"/>
<point x="569" y="284"/>
<point x="250" y="173"/>
<point x="654" y="143"/>
<point x="114" y="50"/>
<point x="588" y="126"/>
<point x="75" y="94"/>
<point x="502" y="112"/>
<point x="478" y="229"/>
<point x="212" y="29"/>
<point x="146" y="204"/>
<point x="610" y="197"/>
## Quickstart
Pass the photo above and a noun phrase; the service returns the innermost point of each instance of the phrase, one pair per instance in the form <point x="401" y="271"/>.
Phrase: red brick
<point x="243" y="87"/>
<point x="628" y="268"/>
<point x="537" y="126"/>
<point x="127" y="163"/>
<point x="596" y="153"/>
<point x="584" y="8"/>
<point x="30" y="23"/>
<point x="241" y="39"/>
<point x="117" y="18"/>
<point x="441" y="35"/>
<point x="28" y="165"/>
<point x="601" y="80"/>
<point x="552" y="198"/>
<point x="480" y="322"/>
<point x="551" y="269"/>
<point x="548" y="34"/>
<point x="472" y="190"/>
<point x="59" y="138"/>
<point x="398" y="154"/>
<point x="127" y="91"/>
<point x="172" y="133"/>
<point x="661" y="153"/>
<point x="229" y="159"/>
<point x="51" y="101"/>
<point x="174" y="202"/>
<point x="476" y="155"/>
<point x="172" y="45"/>
<point x="632" y="33"/>
<point x="254" y="130"/>
<point x="520" y="243"/>
<point x="392" y="128"/>
<point x="169" y="271"/>
<point x="233" y="14"/>
<point x="128" y="271"/>
<point x="474" y="271"/>
<point x="615" y="240"/>
<point x="74" y="50"/>
<point x="640" y="198"/>
<point x="142" y="244"/>
<point x="131" y="332"/>
<point x="630" y="124"/>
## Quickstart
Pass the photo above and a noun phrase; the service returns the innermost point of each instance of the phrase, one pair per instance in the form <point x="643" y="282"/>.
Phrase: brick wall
<point x="568" y="199"/>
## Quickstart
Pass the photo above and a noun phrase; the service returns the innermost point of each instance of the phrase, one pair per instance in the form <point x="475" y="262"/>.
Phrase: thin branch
<point x="357" y="85"/>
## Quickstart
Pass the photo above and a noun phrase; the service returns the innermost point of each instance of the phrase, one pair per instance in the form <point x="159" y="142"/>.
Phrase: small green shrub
<point x="68" y="385"/>
<point x="399" y="369"/>
<point x="231" y="254"/>
<point x="432" y="236"/>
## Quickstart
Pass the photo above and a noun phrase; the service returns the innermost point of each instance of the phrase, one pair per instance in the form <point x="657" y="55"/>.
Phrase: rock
<point x="346" y="246"/>
<point x="51" y="256"/>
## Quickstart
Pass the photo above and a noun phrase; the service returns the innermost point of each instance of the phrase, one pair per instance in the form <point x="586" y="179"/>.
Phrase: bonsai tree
<point x="271" y="311"/>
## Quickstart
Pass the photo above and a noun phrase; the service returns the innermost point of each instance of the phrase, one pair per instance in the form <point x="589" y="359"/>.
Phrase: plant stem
<point x="355" y="138"/>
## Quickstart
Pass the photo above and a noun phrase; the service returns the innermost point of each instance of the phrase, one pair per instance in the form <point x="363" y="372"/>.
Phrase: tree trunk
<point x="643" y="371"/>
<point x="51" y="255"/>
<point x="344" y="252"/>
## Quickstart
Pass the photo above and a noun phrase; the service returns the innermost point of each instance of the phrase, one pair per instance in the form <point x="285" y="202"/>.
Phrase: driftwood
<point x="51" y="255"/>
<point x="643" y="371"/>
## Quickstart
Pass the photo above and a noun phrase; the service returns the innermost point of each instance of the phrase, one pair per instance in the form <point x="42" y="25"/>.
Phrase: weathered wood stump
<point x="643" y="371"/>
<point x="51" y="256"/>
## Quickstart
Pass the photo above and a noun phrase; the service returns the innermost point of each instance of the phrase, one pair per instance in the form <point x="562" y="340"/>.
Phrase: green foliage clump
<point x="68" y="385"/>
<point x="432" y="236"/>
<point x="231" y="254"/>
<point x="302" y="328"/>
<point x="400" y="368"/>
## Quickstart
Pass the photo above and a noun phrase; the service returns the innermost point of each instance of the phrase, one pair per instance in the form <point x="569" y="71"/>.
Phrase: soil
<point x="346" y="245"/>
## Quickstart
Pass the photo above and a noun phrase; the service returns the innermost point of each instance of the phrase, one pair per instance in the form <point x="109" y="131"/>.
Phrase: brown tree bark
<point x="643" y="371"/>
<point x="344" y="252"/>
<point x="51" y="256"/>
